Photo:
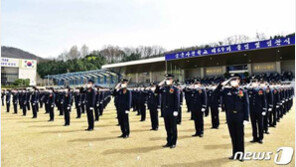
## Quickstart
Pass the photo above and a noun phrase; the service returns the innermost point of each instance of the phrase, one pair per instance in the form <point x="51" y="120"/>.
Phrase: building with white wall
<point x="14" y="68"/>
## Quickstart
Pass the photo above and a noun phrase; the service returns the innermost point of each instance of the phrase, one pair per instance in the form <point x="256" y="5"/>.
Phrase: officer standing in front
<point x="90" y="102"/>
<point x="123" y="102"/>
<point x="171" y="103"/>
<point x="236" y="103"/>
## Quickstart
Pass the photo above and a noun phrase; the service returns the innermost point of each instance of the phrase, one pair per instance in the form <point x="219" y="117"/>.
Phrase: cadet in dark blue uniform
<point x="123" y="104"/>
<point x="153" y="103"/>
<point x="51" y="103"/>
<point x="8" y="98"/>
<point x="77" y="103"/>
<point x="198" y="105"/>
<point x="236" y="103"/>
<point x="67" y="99"/>
<point x="34" y="102"/>
<point x="142" y="96"/>
<point x="269" y="104"/>
<point x="15" y="96"/>
<point x="24" y="102"/>
<point x="258" y="108"/>
<point x="28" y="97"/>
<point x="273" y="115"/>
<point x="214" y="106"/>
<point x="82" y="100"/>
<point x="171" y="103"/>
<point x="97" y="103"/>
<point x="90" y="102"/>
<point x="2" y="96"/>
<point x="179" y="119"/>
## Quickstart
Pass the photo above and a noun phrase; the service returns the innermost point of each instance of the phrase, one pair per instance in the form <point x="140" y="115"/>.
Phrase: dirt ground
<point x="36" y="142"/>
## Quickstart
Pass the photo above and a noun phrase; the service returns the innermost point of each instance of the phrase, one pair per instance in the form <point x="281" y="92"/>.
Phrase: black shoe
<point x="120" y="136"/>
<point x="253" y="141"/>
<point x="167" y="145"/>
<point x="200" y="135"/>
<point x="34" y="117"/>
<point x="117" y="124"/>
<point x="266" y="132"/>
<point x="142" y="120"/>
<point x="260" y="141"/>
<point x="241" y="160"/>
<point x="231" y="158"/>
<point x="126" y="136"/>
<point x="14" y="113"/>
<point x="195" y="135"/>
<point x="51" y="120"/>
<point x="173" y="146"/>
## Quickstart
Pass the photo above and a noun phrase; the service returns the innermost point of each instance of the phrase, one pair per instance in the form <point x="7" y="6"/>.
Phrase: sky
<point x="49" y="27"/>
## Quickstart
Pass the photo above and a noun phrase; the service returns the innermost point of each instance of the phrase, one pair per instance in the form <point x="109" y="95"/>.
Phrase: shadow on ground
<point x="132" y="150"/>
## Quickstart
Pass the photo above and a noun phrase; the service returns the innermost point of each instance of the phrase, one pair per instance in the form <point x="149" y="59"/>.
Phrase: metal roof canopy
<point x="82" y="74"/>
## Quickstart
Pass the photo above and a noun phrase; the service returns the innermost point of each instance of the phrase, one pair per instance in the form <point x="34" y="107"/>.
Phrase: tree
<point x="73" y="53"/>
<point x="84" y="51"/>
<point x="21" y="82"/>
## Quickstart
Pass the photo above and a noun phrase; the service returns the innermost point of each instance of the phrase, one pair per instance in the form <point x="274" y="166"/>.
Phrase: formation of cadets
<point x="91" y="100"/>
<point x="265" y="103"/>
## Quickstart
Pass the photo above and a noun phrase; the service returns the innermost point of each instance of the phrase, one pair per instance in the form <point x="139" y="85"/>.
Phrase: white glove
<point x="263" y="113"/>
<point x="51" y="106"/>
<point x="127" y="111"/>
<point x="91" y="108"/>
<point x="203" y="110"/>
<point x="277" y="106"/>
<point x="175" y="113"/>
<point x="68" y="108"/>
<point x="245" y="122"/>
<point x="97" y="105"/>
<point x="270" y="109"/>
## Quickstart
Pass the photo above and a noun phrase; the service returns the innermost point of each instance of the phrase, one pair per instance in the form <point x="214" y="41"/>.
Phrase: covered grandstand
<point x="104" y="78"/>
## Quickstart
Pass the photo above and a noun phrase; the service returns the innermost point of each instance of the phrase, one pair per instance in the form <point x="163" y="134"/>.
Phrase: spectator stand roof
<point x="105" y="78"/>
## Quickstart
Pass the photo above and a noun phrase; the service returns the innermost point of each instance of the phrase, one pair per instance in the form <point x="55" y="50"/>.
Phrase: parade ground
<point x="36" y="142"/>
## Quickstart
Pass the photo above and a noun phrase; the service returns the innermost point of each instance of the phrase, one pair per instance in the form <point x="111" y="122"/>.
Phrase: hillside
<point x="12" y="52"/>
